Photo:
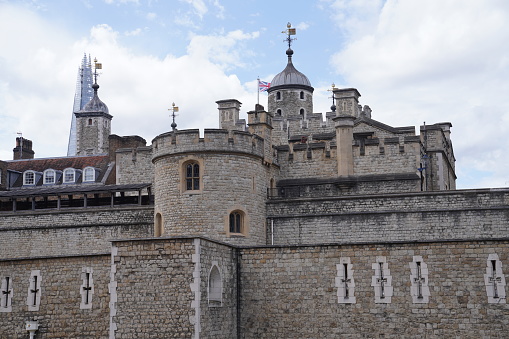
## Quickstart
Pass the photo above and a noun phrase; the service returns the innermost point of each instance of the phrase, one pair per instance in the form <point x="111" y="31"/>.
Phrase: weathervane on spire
<point x="174" y="109"/>
<point x="289" y="31"/>
<point x="333" y="107"/>
<point x="97" y="65"/>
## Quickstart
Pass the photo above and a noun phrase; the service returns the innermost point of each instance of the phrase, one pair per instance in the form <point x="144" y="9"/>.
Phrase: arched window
<point x="278" y="112"/>
<point x="192" y="170"/>
<point x="302" y="111"/>
<point x="158" y="227"/>
<point x="237" y="222"/>
<point x="278" y="95"/>
<point x="29" y="178"/>
<point x="302" y="94"/>
<point x="215" y="286"/>
<point x="49" y="177"/>
<point x="89" y="174"/>
<point x="69" y="175"/>
<point x="89" y="122"/>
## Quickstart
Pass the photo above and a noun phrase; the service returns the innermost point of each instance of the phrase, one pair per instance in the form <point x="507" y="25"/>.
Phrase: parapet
<point x="214" y="140"/>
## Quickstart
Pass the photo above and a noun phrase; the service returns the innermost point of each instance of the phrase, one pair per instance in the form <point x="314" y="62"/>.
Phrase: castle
<point x="294" y="225"/>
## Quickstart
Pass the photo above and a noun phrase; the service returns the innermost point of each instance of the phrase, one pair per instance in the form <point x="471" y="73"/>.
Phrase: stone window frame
<point x="87" y="283"/>
<point x="183" y="174"/>
<point x="419" y="289"/>
<point x="279" y="96"/>
<point x="381" y="268"/>
<point x="302" y="95"/>
<point x="86" y="174"/>
<point x="65" y="179"/>
<point x="302" y="112"/>
<point x="158" y="224"/>
<point x="279" y="112"/>
<point x="6" y="293"/>
<point x="345" y="283"/>
<point x="46" y="176"/>
<point x="244" y="228"/>
<point x="90" y="122"/>
<point x="35" y="283"/>
<point x="29" y="178"/>
<point x="494" y="280"/>
<point x="215" y="286"/>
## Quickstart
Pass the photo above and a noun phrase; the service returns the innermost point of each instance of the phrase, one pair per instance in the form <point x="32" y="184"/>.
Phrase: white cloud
<point x="302" y="26"/>
<point x="135" y="32"/>
<point x="199" y="7"/>
<point x="435" y="61"/>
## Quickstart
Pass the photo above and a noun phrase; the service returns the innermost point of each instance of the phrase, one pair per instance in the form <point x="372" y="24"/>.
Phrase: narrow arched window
<point x="278" y="95"/>
<point x="69" y="175"/>
<point x="302" y="111"/>
<point x="302" y="94"/>
<point x="215" y="287"/>
<point x="192" y="176"/>
<point x="29" y="178"/>
<point x="278" y="112"/>
<point x="89" y="174"/>
<point x="49" y="177"/>
<point x="89" y="122"/>
<point x="158" y="227"/>
<point x="236" y="222"/>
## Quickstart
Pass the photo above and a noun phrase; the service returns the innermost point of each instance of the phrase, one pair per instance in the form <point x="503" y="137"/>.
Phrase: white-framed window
<point x="494" y="280"/>
<point x="89" y="174"/>
<point x="49" y="177"/>
<point x="382" y="281"/>
<point x="345" y="282"/>
<point x="87" y="288"/>
<point x="69" y="175"/>
<point x="419" y="288"/>
<point x="34" y="291"/>
<point x="6" y="294"/>
<point x="29" y="178"/>
<point x="215" y="286"/>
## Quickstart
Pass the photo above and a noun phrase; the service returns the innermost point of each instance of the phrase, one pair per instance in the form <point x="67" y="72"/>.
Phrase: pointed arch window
<point x="236" y="222"/>
<point x="192" y="176"/>
<point x="49" y="177"/>
<point x="215" y="286"/>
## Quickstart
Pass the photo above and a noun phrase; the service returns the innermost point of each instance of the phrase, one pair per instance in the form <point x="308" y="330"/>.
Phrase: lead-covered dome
<point x="95" y="105"/>
<point x="290" y="77"/>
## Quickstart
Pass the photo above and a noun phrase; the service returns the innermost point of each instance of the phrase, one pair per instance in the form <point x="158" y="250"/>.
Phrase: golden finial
<point x="174" y="109"/>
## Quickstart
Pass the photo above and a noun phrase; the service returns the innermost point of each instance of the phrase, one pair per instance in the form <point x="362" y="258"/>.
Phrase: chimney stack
<point x="23" y="149"/>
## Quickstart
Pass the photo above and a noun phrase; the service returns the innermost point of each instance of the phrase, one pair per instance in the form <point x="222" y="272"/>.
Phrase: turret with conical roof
<point x="93" y="124"/>
<point x="290" y="92"/>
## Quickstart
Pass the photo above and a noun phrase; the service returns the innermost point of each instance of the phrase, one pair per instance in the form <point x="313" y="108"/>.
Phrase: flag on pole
<point x="263" y="86"/>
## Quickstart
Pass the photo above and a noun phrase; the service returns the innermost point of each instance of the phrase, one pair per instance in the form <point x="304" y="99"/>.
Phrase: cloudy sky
<point x="413" y="61"/>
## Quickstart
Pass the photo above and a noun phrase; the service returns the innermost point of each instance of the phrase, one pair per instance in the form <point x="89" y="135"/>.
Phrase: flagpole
<point x="258" y="91"/>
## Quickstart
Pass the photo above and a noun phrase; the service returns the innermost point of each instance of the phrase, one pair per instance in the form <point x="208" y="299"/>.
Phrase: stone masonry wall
<point x="134" y="166"/>
<point x="292" y="292"/>
<point x="391" y="217"/>
<point x="81" y="231"/>
<point x="59" y="314"/>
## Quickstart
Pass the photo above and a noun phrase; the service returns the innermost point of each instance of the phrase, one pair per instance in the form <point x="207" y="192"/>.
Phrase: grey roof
<point x="95" y="105"/>
<point x="290" y="76"/>
<point x="74" y="189"/>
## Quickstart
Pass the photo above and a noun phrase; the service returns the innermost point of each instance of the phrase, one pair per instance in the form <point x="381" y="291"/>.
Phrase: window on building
<point x="89" y="122"/>
<point x="89" y="174"/>
<point x="69" y="175"/>
<point x="87" y="288"/>
<point x="301" y="111"/>
<point x="345" y="282"/>
<point x="158" y="227"/>
<point x="237" y="222"/>
<point x="382" y="281"/>
<point x="419" y="281"/>
<point x="49" y="177"/>
<point x="34" y="291"/>
<point x="494" y="280"/>
<point x="6" y="295"/>
<point x="278" y="95"/>
<point x="192" y="181"/>
<point x="215" y="286"/>
<point x="301" y="95"/>
<point x="29" y="178"/>
<point x="278" y="112"/>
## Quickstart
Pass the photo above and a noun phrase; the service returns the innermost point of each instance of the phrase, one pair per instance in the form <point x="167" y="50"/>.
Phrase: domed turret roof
<point x="290" y="77"/>
<point x="95" y="105"/>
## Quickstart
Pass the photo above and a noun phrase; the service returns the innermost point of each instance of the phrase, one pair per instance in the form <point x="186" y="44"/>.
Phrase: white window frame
<point x="86" y="176"/>
<point x="381" y="268"/>
<point x="494" y="279"/>
<point x="344" y="281"/>
<point x="65" y="181"/>
<point x="419" y="273"/>
<point x="6" y="294"/>
<point x="45" y="176"/>
<point x="87" y="288"/>
<point x="34" y="284"/>
<point x="25" y="178"/>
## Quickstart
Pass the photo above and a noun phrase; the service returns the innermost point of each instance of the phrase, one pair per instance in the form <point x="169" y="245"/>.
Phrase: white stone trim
<point x="195" y="288"/>
<point x="87" y="284"/>
<point x="419" y="288"/>
<point x="215" y="295"/>
<point x="112" y="287"/>
<point x="345" y="282"/>
<point x="494" y="280"/>
<point x="35" y="283"/>
<point x="382" y="271"/>
<point x="6" y="298"/>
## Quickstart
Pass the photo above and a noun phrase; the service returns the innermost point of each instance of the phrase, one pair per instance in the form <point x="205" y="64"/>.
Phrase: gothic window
<point x="89" y="174"/>
<point x="382" y="281"/>
<point x="87" y="288"/>
<point x="237" y="222"/>
<point x="49" y="177"/>
<point x="215" y="286"/>
<point x="69" y="175"/>
<point x="301" y="95"/>
<point x="494" y="280"/>
<point x="278" y="95"/>
<point x="344" y="282"/>
<point x="34" y="291"/>
<point x="29" y="178"/>
<point x="192" y="172"/>
<point x="419" y="281"/>
<point x="6" y="295"/>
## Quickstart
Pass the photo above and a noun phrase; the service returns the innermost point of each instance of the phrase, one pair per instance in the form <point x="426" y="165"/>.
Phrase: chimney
<point x="23" y="149"/>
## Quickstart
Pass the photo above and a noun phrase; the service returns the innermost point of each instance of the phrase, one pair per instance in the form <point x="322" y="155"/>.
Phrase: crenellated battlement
<point x="213" y="140"/>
